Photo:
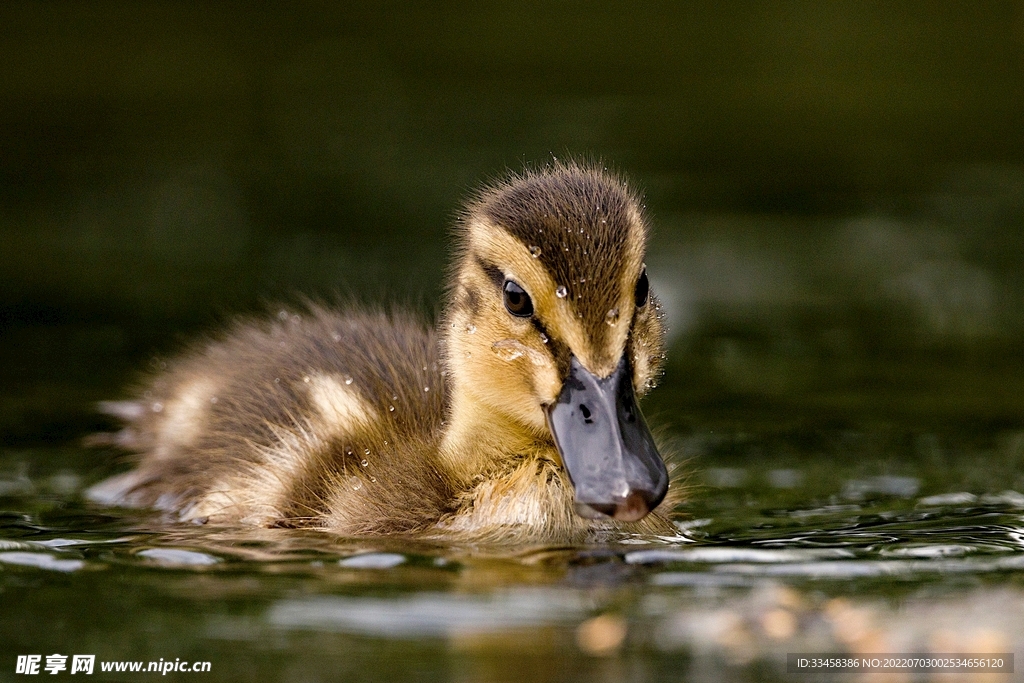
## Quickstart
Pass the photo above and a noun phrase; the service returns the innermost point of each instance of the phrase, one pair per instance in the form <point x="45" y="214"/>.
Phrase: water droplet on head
<point x="471" y="329"/>
<point x="282" y="314"/>
<point x="348" y="379"/>
<point x="213" y="399"/>
<point x="157" y="407"/>
<point x="426" y="389"/>
<point x="305" y="379"/>
<point x="612" y="317"/>
<point x="356" y="483"/>
<point x="366" y="451"/>
<point x="277" y="380"/>
<point x="364" y="462"/>
<point x="561" y="292"/>
<point x="535" y="251"/>
<point x="373" y="479"/>
<point x="391" y="409"/>
<point x="543" y="338"/>
<point x="336" y="337"/>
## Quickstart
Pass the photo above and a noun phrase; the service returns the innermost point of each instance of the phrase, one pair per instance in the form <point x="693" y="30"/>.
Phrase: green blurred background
<point x="837" y="187"/>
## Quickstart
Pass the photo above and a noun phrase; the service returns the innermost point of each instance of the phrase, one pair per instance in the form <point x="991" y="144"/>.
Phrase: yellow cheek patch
<point x="512" y="349"/>
<point x="544" y="373"/>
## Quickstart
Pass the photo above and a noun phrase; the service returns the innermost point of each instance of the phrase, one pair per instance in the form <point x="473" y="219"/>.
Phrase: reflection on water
<point x="856" y="562"/>
<point x="430" y="615"/>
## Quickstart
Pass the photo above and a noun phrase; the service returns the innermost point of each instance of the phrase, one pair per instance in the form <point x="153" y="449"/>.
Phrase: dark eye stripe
<point x="492" y="271"/>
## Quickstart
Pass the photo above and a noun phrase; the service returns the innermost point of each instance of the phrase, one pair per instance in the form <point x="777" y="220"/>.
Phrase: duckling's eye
<point x="517" y="301"/>
<point x="643" y="288"/>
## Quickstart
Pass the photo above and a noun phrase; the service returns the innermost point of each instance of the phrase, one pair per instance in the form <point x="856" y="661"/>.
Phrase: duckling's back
<point x="317" y="418"/>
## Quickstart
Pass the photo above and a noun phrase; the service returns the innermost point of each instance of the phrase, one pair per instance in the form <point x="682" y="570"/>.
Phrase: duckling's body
<point x="372" y="423"/>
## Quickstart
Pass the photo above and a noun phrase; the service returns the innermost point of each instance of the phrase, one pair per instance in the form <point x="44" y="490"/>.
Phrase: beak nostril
<point x="585" y="411"/>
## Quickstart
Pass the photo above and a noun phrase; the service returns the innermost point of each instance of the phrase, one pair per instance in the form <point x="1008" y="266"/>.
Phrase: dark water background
<point x="838" y="194"/>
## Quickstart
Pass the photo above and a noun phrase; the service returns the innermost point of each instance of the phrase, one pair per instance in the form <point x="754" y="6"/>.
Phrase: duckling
<point x="515" y="419"/>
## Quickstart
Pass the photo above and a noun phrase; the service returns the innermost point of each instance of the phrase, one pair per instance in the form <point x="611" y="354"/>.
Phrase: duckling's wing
<point x="311" y="418"/>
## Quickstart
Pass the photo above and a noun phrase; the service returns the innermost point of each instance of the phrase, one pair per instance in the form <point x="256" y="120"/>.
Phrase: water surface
<point x="778" y="551"/>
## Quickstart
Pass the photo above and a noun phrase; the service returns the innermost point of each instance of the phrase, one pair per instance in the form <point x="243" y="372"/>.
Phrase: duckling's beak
<point x="606" y="446"/>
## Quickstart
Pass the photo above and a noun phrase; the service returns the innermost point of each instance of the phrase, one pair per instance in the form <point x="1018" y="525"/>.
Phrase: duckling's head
<point x="552" y="331"/>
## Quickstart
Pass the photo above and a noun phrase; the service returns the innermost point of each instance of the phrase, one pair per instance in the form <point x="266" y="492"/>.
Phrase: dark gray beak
<point x="606" y="446"/>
